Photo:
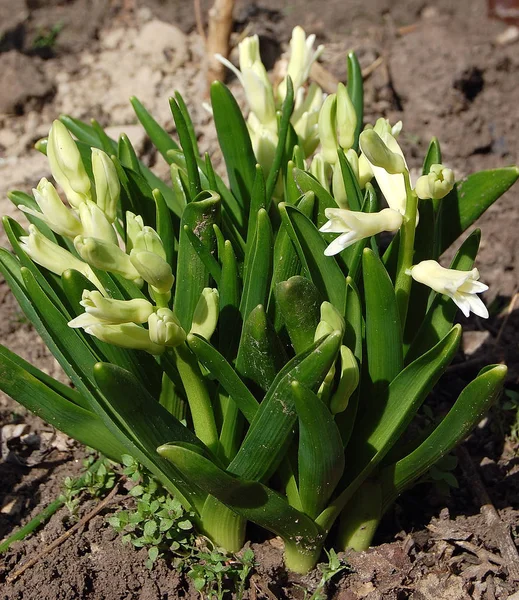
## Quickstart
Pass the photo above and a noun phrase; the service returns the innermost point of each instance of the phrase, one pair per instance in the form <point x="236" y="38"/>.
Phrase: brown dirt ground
<point x="446" y="71"/>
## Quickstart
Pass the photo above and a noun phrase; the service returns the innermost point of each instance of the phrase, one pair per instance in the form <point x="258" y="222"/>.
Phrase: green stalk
<point x="222" y="525"/>
<point x="405" y="251"/>
<point x="361" y="517"/>
<point x="197" y="397"/>
<point x="301" y="556"/>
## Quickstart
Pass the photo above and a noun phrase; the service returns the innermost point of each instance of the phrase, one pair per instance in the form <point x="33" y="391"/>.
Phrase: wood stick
<point x="218" y="35"/>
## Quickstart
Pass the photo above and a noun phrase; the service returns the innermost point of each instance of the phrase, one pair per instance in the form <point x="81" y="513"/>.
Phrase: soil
<point x="446" y="70"/>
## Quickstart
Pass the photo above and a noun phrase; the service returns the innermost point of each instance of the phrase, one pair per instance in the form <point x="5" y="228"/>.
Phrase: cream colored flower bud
<point x="49" y="255"/>
<point x="305" y="119"/>
<point x="378" y="153"/>
<point x="66" y="165"/>
<point x="136" y="310"/>
<point x="205" y="317"/>
<point x="321" y="170"/>
<point x="153" y="269"/>
<point x="54" y="213"/>
<point x="355" y="226"/>
<point x="331" y="320"/>
<point x="436" y="185"/>
<point x="346" y="118"/>
<point x="125" y="335"/>
<point x="348" y="382"/>
<point x="148" y="239"/>
<point x="165" y="329"/>
<point x="460" y="286"/>
<point x="95" y="222"/>
<point x="264" y="143"/>
<point x="327" y="125"/>
<point x="107" y="186"/>
<point x="106" y="256"/>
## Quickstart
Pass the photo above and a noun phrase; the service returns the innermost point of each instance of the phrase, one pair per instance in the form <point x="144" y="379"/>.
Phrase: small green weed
<point x="328" y="570"/>
<point x="47" y="36"/>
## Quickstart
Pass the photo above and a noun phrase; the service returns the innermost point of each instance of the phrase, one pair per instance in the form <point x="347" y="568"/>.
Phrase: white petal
<point x="85" y="320"/>
<point x="477" y="306"/>
<point x="473" y="287"/>
<point x="462" y="302"/>
<point x="341" y="243"/>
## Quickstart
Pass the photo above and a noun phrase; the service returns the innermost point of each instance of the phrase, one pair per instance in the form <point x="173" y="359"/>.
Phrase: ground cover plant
<point x="275" y="377"/>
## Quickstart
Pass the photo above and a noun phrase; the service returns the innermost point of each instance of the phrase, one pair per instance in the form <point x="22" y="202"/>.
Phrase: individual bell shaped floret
<point x="134" y="226"/>
<point x="153" y="269"/>
<point x="205" y="317"/>
<point x="436" y="185"/>
<point x="264" y="142"/>
<point x="136" y="310"/>
<point x="306" y="116"/>
<point x="54" y="213"/>
<point x="302" y="57"/>
<point x="354" y="226"/>
<point x="66" y="165"/>
<point x="460" y="286"/>
<point x="107" y="186"/>
<point x="125" y="335"/>
<point x="346" y="118"/>
<point x="379" y="154"/>
<point x="321" y="170"/>
<point x="165" y="329"/>
<point x="95" y="222"/>
<point x="107" y="257"/>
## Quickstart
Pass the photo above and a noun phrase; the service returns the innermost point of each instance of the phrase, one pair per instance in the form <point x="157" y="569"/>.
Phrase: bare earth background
<point x="446" y="70"/>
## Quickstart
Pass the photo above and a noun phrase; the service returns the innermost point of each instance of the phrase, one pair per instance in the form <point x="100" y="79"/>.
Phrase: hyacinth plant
<point x="256" y="344"/>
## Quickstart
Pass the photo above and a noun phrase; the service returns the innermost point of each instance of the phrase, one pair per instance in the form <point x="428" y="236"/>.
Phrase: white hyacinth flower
<point x="355" y="226"/>
<point x="436" y="184"/>
<point x="460" y="286"/>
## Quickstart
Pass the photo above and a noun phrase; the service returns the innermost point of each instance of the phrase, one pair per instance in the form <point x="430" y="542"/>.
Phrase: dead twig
<point x="58" y="541"/>
<point x="509" y="311"/>
<point x="500" y="531"/>
<point x="199" y="20"/>
<point x="218" y="36"/>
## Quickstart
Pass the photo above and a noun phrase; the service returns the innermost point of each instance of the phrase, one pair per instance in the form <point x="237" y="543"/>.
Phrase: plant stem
<point x="301" y="557"/>
<point x="222" y="525"/>
<point x="197" y="397"/>
<point x="405" y="252"/>
<point x="360" y="517"/>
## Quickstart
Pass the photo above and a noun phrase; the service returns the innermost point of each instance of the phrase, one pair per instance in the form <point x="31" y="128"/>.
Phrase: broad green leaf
<point x="356" y="93"/>
<point x="433" y="156"/>
<point x="85" y="133"/>
<point x="261" y="354"/>
<point x="250" y="499"/>
<point x="383" y="331"/>
<point x="353" y="320"/>
<point x="379" y="429"/>
<point x="258" y="266"/>
<point x="272" y="427"/>
<point x="223" y="372"/>
<point x="258" y="202"/>
<point x="308" y="183"/>
<point x="322" y="270"/>
<point x="164" y="227"/>
<point x="41" y="395"/>
<point x="298" y="302"/>
<point x="473" y="402"/>
<point x="229" y="322"/>
<point x="442" y="311"/>
<point x="235" y="143"/>
<point x="158" y="135"/>
<point x="469" y="199"/>
<point x="195" y="187"/>
<point x="321" y="453"/>
<point x="189" y="123"/>
<point x="192" y="275"/>
<point x="147" y="424"/>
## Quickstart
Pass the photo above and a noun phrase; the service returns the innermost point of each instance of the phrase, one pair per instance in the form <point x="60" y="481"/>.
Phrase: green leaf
<point x="235" y="143"/>
<point x="84" y="132"/>
<point x="164" y="227"/>
<point x="41" y="395"/>
<point x="147" y="424"/>
<point x="286" y="113"/>
<point x="189" y="123"/>
<point x="442" y="311"/>
<point x="472" y="404"/>
<point x="192" y="275"/>
<point x="159" y="137"/>
<point x="229" y="321"/>
<point x="223" y="372"/>
<point x="433" y="156"/>
<point x="272" y="427"/>
<point x="321" y="455"/>
<point x="298" y="303"/>
<point x="195" y="187"/>
<point x="258" y="266"/>
<point x="469" y="199"/>
<point x="250" y="499"/>
<point x="379" y="429"/>
<point x="383" y="331"/>
<point x="351" y="185"/>
<point x="322" y="270"/>
<point x="356" y="93"/>
<point x="126" y="154"/>
<point x="22" y="199"/>
<point x="307" y="183"/>
<point x="261" y="354"/>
